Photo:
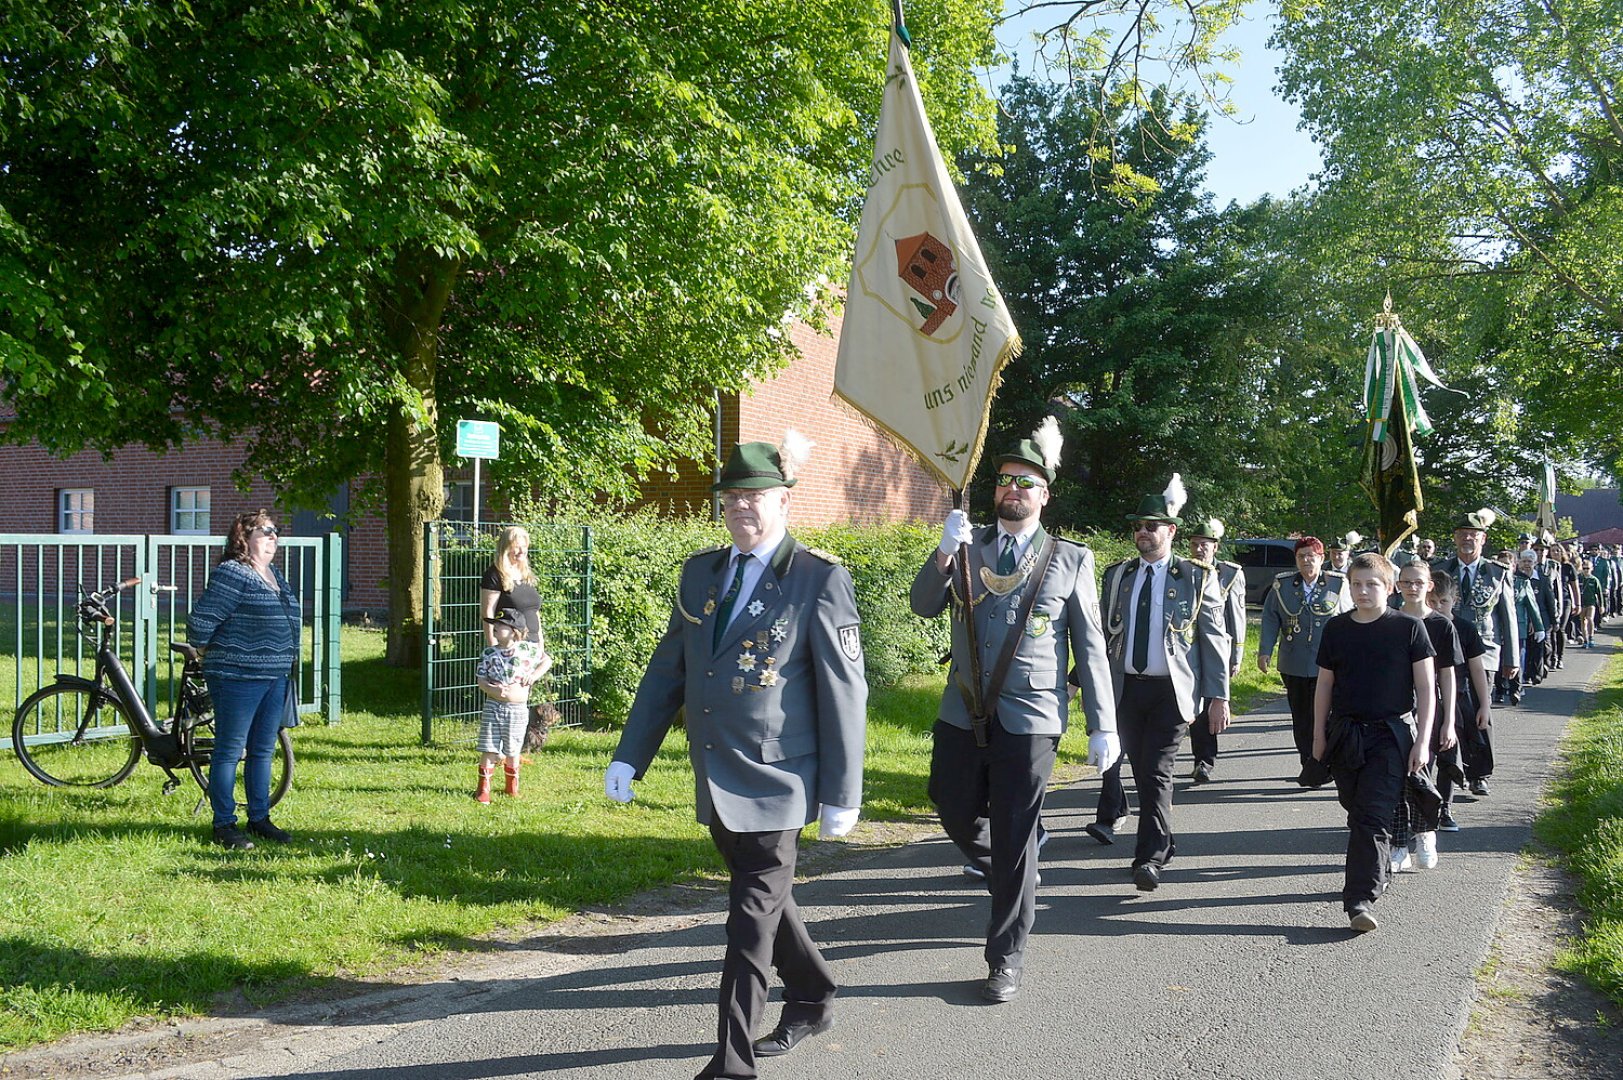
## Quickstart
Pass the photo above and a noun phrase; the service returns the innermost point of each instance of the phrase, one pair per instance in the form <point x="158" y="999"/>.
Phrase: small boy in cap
<point x="506" y="672"/>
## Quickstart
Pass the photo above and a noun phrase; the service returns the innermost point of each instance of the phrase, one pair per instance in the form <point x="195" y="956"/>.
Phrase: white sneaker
<point x="1400" y="859"/>
<point x="1426" y="850"/>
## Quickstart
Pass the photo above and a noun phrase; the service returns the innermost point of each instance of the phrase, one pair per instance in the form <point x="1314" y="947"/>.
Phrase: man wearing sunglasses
<point x="1169" y="653"/>
<point x="1036" y="614"/>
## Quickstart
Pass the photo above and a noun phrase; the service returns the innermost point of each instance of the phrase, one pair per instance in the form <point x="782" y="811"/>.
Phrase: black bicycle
<point x="80" y="732"/>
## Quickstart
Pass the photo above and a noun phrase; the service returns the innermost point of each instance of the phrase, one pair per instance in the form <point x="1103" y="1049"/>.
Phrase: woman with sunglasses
<point x="247" y="622"/>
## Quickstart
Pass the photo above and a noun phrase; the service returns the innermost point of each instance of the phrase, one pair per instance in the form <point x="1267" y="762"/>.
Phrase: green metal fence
<point x="455" y="556"/>
<point x="41" y="577"/>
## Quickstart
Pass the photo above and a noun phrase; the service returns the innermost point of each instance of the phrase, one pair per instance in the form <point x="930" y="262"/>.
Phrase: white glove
<point x="1103" y="749"/>
<point x="617" y="781"/>
<point x="1539" y="635"/>
<point x="955" y="533"/>
<point x="836" y="821"/>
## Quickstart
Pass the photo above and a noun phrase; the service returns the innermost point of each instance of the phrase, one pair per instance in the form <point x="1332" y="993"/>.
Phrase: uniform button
<point x="707" y="712"/>
<point x="709" y="746"/>
<point x="708" y="674"/>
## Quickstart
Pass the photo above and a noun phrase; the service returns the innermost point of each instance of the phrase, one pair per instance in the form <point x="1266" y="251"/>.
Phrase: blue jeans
<point x="247" y="715"/>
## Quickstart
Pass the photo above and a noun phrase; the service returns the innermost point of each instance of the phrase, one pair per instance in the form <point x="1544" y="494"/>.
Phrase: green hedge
<point x="634" y="571"/>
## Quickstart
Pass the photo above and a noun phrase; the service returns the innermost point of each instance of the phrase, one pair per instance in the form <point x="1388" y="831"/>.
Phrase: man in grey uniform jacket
<point x="1169" y="653"/>
<point x="1486" y="596"/>
<point x="1034" y="601"/>
<point x="1231" y="583"/>
<point x="1294" y="611"/>
<point x="764" y="654"/>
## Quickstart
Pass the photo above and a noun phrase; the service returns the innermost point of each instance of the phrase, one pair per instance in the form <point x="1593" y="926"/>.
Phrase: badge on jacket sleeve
<point x="851" y="641"/>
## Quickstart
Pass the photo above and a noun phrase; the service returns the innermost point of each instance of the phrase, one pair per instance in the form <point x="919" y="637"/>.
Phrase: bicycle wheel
<point x="74" y="736"/>
<point x="197" y="745"/>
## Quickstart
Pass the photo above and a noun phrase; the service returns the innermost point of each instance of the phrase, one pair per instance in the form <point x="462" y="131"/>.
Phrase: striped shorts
<point x="501" y="728"/>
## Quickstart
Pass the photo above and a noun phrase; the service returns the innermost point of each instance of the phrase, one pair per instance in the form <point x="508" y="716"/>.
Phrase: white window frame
<point x="71" y="507"/>
<point x="191" y="512"/>
<point x="453" y="488"/>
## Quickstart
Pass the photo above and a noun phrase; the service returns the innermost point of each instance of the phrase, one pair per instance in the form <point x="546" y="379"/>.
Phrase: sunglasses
<point x="263" y="530"/>
<point x="1145" y="526"/>
<point x="1024" y="483"/>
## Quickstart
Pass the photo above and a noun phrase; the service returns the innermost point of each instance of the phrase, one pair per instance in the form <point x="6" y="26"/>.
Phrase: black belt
<point x="1148" y="678"/>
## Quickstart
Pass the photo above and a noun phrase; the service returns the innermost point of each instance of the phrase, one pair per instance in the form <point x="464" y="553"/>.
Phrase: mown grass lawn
<point x="116" y="907"/>
<point x="1584" y="822"/>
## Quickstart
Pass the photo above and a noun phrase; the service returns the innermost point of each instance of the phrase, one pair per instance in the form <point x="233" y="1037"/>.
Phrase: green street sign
<point x="478" y="439"/>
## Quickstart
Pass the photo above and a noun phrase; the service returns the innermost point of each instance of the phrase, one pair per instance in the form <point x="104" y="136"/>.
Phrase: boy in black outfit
<point x="1372" y="715"/>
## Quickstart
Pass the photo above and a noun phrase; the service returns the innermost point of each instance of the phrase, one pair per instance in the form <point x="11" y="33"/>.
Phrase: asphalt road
<point x="1240" y="965"/>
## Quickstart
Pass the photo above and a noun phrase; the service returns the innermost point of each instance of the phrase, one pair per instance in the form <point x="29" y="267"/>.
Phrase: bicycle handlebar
<point x="93" y="606"/>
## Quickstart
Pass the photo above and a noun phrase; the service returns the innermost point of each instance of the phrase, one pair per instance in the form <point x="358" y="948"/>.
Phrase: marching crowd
<point x="1390" y="672"/>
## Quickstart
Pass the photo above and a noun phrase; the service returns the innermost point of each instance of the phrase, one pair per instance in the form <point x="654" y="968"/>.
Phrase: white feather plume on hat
<point x="1175" y="495"/>
<point x="1353" y="539"/>
<point x="1049" y="441"/>
<point x="1482" y="519"/>
<point x="793" y="452"/>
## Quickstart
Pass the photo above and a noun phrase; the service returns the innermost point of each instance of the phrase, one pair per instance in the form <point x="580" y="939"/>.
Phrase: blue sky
<point x="1259" y="151"/>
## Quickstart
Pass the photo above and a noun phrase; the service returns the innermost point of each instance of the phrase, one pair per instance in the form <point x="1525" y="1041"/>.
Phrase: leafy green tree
<point x="1141" y="307"/>
<point x="1480" y="142"/>
<point x="325" y="226"/>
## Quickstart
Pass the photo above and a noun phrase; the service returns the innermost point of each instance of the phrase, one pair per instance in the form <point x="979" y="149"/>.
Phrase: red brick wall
<point x="855" y="475"/>
<point x="132" y="498"/>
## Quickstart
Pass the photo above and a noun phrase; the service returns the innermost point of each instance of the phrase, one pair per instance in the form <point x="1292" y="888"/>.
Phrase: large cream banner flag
<point x="926" y="333"/>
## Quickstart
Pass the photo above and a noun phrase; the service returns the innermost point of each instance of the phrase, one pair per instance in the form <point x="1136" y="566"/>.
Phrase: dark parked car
<point x="1262" y="560"/>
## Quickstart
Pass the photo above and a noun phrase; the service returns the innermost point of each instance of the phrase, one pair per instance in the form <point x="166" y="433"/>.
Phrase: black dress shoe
<point x="1105" y="834"/>
<point x="1001" y="985"/>
<point x="1146" y="877"/>
<point x="788" y="1034"/>
<point x="1203" y="772"/>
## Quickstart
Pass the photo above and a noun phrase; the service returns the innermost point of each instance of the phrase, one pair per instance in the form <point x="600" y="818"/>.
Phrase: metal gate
<point x="41" y="577"/>
<point x="456" y="555"/>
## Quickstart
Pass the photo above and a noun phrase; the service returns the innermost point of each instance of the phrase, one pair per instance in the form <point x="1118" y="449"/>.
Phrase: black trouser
<point x="1299" y="696"/>
<point x="764" y="931"/>
<point x="1202" y="742"/>
<point x="1533" y="668"/>
<point x="1369" y="793"/>
<point x="990" y="799"/>
<point x="1151" y="730"/>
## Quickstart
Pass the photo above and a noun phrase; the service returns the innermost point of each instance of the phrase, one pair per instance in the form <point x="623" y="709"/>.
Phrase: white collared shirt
<point x="1157" y="572"/>
<point x="1022" y="543"/>
<point x="753" y="567"/>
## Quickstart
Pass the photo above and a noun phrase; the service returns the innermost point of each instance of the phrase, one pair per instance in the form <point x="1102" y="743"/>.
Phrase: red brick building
<point x="854" y="475"/>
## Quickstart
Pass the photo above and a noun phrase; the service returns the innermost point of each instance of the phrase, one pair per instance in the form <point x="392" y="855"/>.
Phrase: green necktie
<point x="724" y="613"/>
<point x="1005" y="561"/>
<point x="1141" y="622"/>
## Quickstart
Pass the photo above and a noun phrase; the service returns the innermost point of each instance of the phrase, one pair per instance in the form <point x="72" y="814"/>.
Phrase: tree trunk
<point x="414" y="480"/>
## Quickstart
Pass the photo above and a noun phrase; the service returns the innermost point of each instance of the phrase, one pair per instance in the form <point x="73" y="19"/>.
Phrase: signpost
<point x="478" y="439"/>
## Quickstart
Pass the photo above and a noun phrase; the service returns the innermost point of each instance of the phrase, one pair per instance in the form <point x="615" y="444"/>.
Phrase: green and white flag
<point x="1393" y="362"/>
<point x="1392" y="406"/>
<point x="926" y="333"/>
<point x="1546" y="498"/>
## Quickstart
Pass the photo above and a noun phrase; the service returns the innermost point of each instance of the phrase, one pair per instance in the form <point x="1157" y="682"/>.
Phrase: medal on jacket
<point x="1004" y="584"/>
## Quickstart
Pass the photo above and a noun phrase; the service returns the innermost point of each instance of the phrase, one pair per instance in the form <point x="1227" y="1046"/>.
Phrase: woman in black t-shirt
<point x="510" y="583"/>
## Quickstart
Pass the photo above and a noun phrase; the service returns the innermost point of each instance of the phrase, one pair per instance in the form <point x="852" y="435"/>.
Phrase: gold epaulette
<point x="1202" y="563"/>
<point x="826" y="556"/>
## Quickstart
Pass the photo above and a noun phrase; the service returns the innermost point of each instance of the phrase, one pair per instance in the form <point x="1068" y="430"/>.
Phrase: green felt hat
<point x="1026" y="453"/>
<point x="1165" y="506"/>
<point x="753" y="465"/>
